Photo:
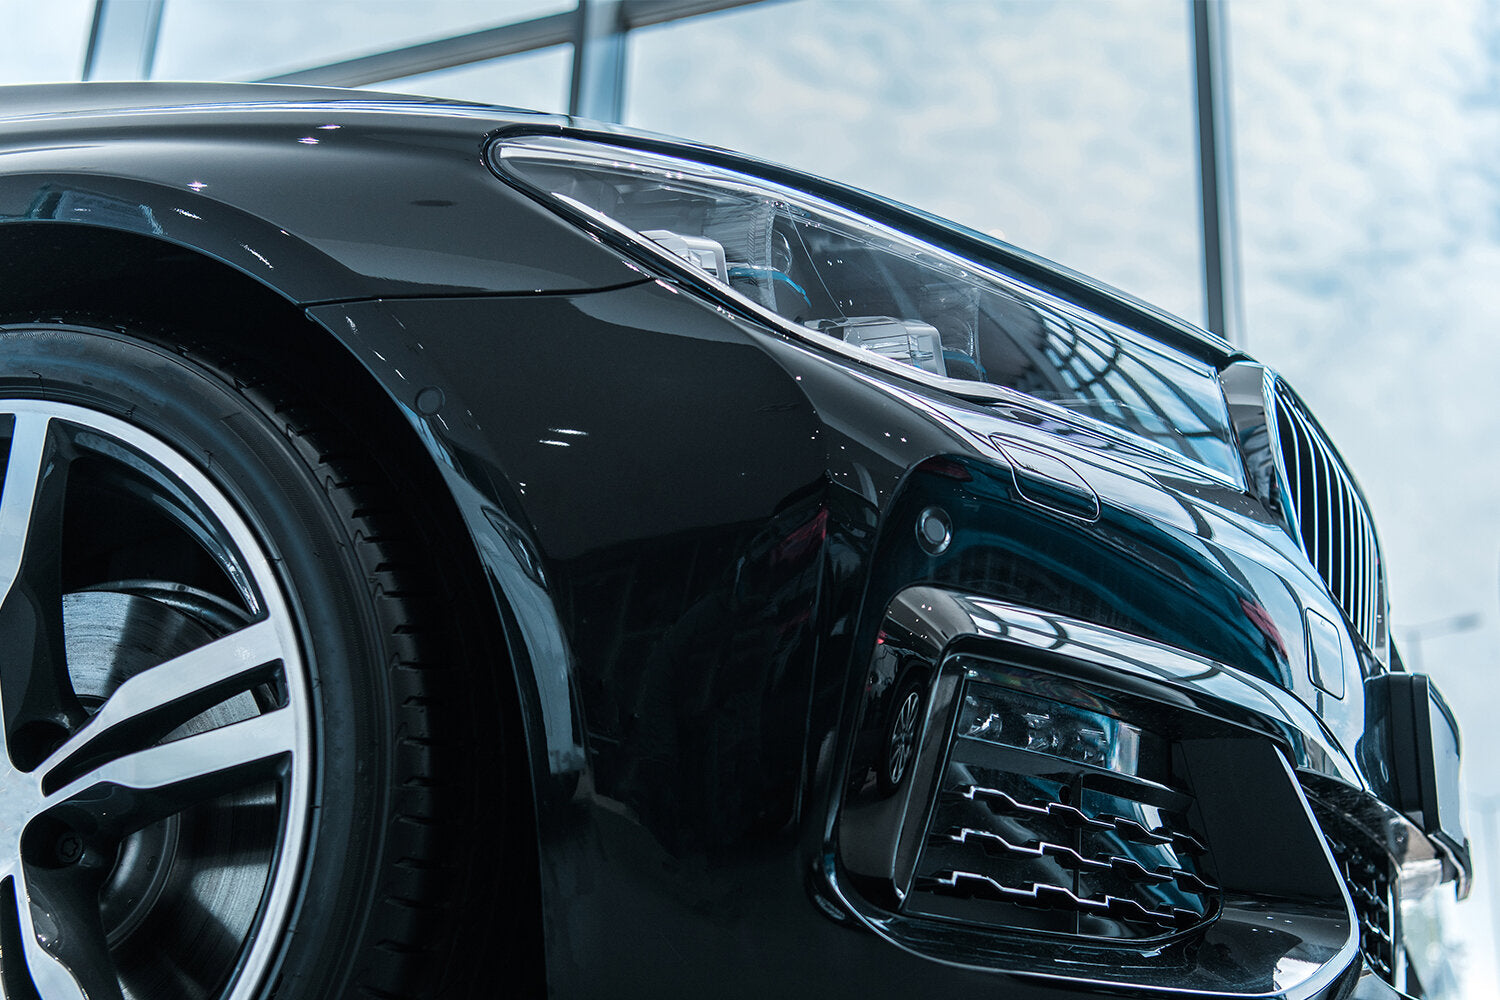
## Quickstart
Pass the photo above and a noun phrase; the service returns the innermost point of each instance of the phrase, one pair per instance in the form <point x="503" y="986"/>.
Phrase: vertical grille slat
<point x="1366" y="576"/>
<point x="1333" y="523"/>
<point x="1354" y="551"/>
<point x="1313" y="505"/>
<point x="1361" y="593"/>
<point x="1346" y="542"/>
<point x="1324" y="516"/>
<point x="1372" y="574"/>
<point x="1337" y="557"/>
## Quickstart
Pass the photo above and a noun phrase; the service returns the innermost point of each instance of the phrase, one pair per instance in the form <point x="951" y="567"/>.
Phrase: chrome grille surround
<point x="1329" y="515"/>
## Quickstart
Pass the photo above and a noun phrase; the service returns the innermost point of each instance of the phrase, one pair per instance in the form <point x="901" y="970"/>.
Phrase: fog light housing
<point x="1028" y="722"/>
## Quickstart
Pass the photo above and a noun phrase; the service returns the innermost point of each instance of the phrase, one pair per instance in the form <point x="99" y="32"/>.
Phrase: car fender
<point x="358" y="214"/>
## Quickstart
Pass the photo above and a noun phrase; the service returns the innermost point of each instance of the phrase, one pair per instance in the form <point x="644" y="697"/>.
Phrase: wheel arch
<point x="186" y="299"/>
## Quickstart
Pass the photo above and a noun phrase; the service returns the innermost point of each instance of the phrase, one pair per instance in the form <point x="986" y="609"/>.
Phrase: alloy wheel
<point x="156" y="721"/>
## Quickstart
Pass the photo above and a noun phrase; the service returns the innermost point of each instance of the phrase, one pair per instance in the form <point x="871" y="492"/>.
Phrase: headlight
<point x="872" y="292"/>
<point x="1041" y="725"/>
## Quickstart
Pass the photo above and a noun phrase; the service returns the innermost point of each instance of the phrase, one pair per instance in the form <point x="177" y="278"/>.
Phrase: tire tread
<point x="408" y="950"/>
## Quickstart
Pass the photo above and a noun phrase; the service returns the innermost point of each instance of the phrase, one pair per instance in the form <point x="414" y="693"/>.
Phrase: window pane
<point x="1370" y="214"/>
<point x="43" y="43"/>
<point x="1065" y="127"/>
<point x="537" y="81"/>
<point x="252" y="39"/>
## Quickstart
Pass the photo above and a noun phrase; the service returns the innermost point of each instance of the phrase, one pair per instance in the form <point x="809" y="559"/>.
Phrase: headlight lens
<point x="878" y="294"/>
<point x="1026" y="722"/>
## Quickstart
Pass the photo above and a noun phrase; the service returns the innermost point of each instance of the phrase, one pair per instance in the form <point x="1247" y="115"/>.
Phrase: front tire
<point x="237" y="764"/>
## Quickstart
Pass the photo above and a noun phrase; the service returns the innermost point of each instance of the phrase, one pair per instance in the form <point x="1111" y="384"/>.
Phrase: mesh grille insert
<point x="1367" y="873"/>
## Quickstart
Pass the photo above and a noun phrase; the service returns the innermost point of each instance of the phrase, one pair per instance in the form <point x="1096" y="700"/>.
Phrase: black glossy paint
<point x="322" y="195"/>
<point x="694" y="529"/>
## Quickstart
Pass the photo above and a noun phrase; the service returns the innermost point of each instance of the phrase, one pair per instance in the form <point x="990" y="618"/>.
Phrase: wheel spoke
<point x="35" y="691"/>
<point x="62" y="936"/>
<point x="137" y="789"/>
<point x="157" y="785"/>
<point x="154" y="702"/>
<point x="15" y="978"/>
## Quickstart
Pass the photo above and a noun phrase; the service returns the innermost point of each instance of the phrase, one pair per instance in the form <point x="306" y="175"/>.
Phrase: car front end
<point x="870" y="607"/>
<point x="1131" y="715"/>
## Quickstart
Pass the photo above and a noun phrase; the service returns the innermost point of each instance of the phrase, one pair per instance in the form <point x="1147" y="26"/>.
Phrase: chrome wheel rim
<point x="157" y="735"/>
<point x="903" y="735"/>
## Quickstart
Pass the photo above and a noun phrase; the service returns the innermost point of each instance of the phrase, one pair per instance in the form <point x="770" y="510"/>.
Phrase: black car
<point x="454" y="551"/>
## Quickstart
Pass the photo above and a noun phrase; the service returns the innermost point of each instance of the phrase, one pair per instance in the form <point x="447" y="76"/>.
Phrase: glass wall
<point x="1067" y="128"/>
<point x="251" y="39"/>
<point x="1366" y="135"/>
<point x="537" y="81"/>
<point x="43" y="44"/>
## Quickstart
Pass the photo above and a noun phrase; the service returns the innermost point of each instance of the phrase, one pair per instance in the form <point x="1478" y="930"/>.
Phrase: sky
<point x="1366" y="134"/>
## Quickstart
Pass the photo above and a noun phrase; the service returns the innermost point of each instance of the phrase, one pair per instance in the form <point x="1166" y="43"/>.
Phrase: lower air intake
<point x="1083" y="803"/>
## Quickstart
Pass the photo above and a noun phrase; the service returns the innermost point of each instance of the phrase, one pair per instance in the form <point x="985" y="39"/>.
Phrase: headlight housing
<point x="861" y="288"/>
